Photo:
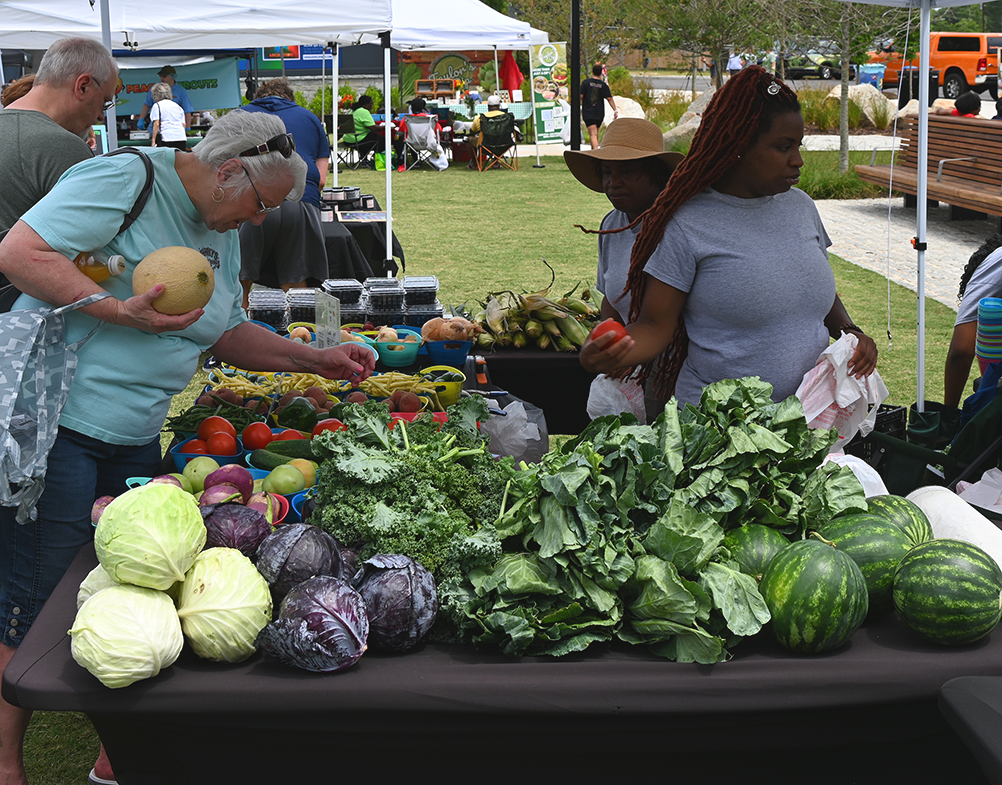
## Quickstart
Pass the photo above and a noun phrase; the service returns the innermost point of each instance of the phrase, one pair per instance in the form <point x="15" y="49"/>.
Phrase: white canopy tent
<point x="925" y="25"/>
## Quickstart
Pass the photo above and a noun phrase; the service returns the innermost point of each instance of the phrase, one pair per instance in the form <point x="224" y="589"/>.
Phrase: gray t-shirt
<point x="33" y="156"/>
<point x="986" y="282"/>
<point x="759" y="288"/>
<point x="614" y="262"/>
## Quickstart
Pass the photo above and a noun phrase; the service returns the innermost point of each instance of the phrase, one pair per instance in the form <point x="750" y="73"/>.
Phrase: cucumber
<point x="293" y="448"/>
<point x="267" y="460"/>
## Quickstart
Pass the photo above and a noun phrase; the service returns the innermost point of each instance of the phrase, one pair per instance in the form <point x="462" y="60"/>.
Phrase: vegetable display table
<point x="973" y="707"/>
<point x="553" y="381"/>
<point x="865" y="713"/>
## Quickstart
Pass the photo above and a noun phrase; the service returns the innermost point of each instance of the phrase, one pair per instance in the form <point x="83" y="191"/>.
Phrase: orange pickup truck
<point x="966" y="61"/>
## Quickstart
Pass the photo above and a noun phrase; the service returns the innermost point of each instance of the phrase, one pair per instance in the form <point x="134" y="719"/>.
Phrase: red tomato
<point x="330" y="424"/>
<point x="257" y="435"/>
<point x="194" y="446"/>
<point x="222" y="444"/>
<point x="211" y="425"/>
<point x="289" y="434"/>
<point x="609" y="326"/>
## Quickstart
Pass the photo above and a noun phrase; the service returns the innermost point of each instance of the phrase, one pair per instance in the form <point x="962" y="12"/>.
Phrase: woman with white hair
<point x="168" y="120"/>
<point x="128" y="372"/>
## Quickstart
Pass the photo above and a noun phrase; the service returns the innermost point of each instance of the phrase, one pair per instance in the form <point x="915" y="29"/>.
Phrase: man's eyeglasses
<point x="283" y="143"/>
<point x="107" y="104"/>
<point x="260" y="201"/>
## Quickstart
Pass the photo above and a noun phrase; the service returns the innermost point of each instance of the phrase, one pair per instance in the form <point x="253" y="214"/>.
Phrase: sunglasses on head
<point x="283" y="143"/>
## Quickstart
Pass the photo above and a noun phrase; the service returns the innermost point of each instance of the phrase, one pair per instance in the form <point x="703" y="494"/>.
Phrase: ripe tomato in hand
<point x="215" y="424"/>
<point x="330" y="424"/>
<point x="222" y="444"/>
<point x="609" y="326"/>
<point x="257" y="436"/>
<point x="284" y="436"/>
<point x="194" y="446"/>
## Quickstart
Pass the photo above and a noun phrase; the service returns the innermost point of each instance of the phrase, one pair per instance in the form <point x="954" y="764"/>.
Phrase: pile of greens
<point x="423" y="489"/>
<point x="619" y="534"/>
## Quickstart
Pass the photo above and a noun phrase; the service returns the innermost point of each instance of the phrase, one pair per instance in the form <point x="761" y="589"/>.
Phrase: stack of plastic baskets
<point x="872" y="73"/>
<point x="988" y="347"/>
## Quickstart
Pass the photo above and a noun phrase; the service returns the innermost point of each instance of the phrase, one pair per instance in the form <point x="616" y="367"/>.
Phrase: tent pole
<point x="388" y="130"/>
<point x="111" y="116"/>
<point x="532" y="97"/>
<point x="335" y="47"/>
<point x="921" y="208"/>
<point x="497" y="73"/>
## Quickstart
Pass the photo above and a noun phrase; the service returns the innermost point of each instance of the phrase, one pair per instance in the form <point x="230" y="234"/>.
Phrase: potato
<point x="409" y="402"/>
<point x="356" y="397"/>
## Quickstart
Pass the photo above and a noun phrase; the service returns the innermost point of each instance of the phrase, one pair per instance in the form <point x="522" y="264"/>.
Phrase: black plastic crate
<point x="891" y="420"/>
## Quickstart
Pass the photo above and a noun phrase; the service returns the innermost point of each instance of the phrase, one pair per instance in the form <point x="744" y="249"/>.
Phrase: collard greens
<point x="619" y="534"/>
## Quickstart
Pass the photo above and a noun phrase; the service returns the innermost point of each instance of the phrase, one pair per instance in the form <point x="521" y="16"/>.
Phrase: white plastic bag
<point x="438" y="158"/>
<point x="518" y="434"/>
<point x="614" y="396"/>
<point x="832" y="398"/>
<point x="872" y="482"/>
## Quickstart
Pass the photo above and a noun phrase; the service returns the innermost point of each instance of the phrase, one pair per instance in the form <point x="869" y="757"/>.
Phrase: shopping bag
<point x="833" y="398"/>
<point x="380" y="162"/>
<point x="615" y="396"/>
<point x="36" y="370"/>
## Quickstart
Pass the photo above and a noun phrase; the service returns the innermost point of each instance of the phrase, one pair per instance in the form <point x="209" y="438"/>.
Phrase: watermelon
<point x="816" y="595"/>
<point x="949" y="591"/>
<point x="753" y="545"/>
<point x="904" y="514"/>
<point x="876" y="545"/>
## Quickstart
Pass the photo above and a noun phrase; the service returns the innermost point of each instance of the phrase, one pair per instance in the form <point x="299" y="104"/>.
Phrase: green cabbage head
<point x="224" y="603"/>
<point x="96" y="579"/>
<point x="149" y="536"/>
<point x="123" y="634"/>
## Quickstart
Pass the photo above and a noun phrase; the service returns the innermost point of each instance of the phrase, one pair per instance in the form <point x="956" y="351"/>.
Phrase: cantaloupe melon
<point x="186" y="275"/>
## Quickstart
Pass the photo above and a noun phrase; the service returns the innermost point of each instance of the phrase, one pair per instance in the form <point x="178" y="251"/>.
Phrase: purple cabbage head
<point x="401" y="602"/>
<point x="321" y="626"/>
<point x="232" y="525"/>
<point x="294" y="552"/>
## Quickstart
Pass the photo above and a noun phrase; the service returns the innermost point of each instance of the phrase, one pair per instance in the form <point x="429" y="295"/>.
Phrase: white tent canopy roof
<point x="471" y="25"/>
<point x="194" y="24"/>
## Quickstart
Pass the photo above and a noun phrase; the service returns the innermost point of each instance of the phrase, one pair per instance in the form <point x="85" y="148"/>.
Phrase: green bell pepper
<point x="299" y="414"/>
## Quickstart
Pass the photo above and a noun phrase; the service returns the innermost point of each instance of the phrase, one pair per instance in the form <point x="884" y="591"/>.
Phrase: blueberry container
<point x="420" y="290"/>
<point x="384" y="294"/>
<point x="347" y="290"/>
<point x="419" y="314"/>
<point x="269" y="306"/>
<point x="384" y="316"/>
<point x="302" y="305"/>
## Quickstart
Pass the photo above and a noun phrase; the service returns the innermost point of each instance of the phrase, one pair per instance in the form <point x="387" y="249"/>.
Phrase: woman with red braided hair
<point x="729" y="274"/>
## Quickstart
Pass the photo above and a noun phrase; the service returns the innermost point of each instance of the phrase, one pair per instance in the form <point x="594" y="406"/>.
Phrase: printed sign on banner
<point x="549" y="83"/>
<point x="210" y="85"/>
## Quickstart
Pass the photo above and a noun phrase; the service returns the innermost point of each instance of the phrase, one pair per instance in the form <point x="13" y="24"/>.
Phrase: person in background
<point x="417" y="107"/>
<point x="734" y="64"/>
<point x="16" y="89"/>
<point x="966" y="105"/>
<point x="366" y="131"/>
<point x="178" y="93"/>
<point x="287" y="249"/>
<point x="631" y="168"/>
<point x="594" y="91"/>
<point x="244" y="167"/>
<point x="476" y="135"/>
<point x="982" y="277"/>
<point x="729" y="274"/>
<point x="167" y="128"/>
<point x="998" y="110"/>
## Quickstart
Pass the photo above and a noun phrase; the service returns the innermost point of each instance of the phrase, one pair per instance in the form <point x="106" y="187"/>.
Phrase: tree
<point x="603" y="25"/>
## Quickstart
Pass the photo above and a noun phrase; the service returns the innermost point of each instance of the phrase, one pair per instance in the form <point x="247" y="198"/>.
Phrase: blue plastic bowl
<point x="452" y="353"/>
<point x="181" y="459"/>
<point x="263" y="324"/>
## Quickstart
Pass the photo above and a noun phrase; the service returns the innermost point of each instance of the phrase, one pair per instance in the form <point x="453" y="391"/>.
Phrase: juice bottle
<point x="98" y="266"/>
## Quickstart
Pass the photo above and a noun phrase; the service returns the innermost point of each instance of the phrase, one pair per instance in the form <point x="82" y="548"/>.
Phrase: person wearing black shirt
<point x="593" y="92"/>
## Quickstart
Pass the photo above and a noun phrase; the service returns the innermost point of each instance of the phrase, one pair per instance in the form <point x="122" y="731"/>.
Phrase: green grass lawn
<point x="483" y="232"/>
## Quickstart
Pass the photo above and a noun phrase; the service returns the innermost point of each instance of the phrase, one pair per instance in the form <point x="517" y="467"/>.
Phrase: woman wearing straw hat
<point x="631" y="168"/>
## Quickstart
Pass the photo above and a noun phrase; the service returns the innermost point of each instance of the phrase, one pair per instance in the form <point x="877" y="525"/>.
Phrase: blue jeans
<point x="34" y="556"/>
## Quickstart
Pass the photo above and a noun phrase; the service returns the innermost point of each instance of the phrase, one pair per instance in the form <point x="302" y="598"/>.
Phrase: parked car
<point x="812" y="64"/>
<point x="965" y="61"/>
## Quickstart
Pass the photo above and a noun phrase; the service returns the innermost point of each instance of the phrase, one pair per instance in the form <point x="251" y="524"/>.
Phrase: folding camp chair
<point x="422" y="140"/>
<point x="356" y="154"/>
<point x="497" y="148"/>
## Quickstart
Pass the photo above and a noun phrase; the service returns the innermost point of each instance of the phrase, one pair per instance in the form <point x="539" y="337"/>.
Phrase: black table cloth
<point x="972" y="705"/>
<point x="371" y="239"/>
<point x="344" y="256"/>
<point x="865" y="713"/>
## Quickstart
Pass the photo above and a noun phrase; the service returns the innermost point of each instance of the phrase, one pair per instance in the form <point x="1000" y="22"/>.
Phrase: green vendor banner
<point x="549" y="82"/>
<point x="211" y="85"/>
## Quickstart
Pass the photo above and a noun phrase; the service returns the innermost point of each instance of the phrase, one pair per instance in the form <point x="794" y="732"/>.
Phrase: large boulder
<point x="876" y="107"/>
<point x="683" y="131"/>
<point x="627" y="108"/>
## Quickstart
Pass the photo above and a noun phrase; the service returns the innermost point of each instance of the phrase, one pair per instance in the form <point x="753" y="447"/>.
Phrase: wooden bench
<point x="965" y="165"/>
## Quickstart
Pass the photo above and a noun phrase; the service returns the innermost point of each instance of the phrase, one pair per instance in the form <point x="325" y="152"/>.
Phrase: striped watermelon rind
<point x="877" y="546"/>
<point x="904" y="514"/>
<point x="817" y="597"/>
<point x="753" y="546"/>
<point x="949" y="591"/>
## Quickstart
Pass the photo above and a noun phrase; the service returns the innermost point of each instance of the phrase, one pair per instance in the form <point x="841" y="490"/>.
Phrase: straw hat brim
<point x="582" y="162"/>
